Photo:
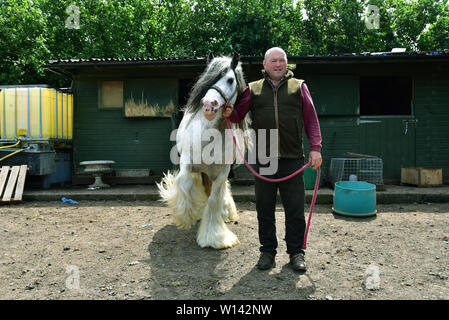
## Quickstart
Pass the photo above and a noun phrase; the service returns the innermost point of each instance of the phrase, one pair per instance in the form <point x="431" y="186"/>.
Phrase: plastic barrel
<point x="354" y="198"/>
<point x="35" y="112"/>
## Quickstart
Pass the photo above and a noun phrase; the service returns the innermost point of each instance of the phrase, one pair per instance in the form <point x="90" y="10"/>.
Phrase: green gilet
<point x="279" y="108"/>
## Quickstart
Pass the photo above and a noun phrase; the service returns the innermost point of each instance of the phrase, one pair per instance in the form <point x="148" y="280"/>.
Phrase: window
<point x="111" y="94"/>
<point x="385" y="96"/>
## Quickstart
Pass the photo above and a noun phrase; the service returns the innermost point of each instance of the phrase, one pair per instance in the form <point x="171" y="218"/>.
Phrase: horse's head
<point x="222" y="92"/>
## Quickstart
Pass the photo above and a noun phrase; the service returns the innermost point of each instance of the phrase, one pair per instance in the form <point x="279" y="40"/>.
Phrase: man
<point x="280" y="101"/>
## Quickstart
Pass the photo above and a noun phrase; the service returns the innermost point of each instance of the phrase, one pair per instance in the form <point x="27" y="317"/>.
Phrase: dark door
<point x="387" y="123"/>
<point x="392" y="139"/>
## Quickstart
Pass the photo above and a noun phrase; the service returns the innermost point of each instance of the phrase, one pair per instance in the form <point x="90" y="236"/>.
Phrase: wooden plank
<point x="20" y="183"/>
<point x="3" y="175"/>
<point x="11" y="183"/>
<point x="358" y="155"/>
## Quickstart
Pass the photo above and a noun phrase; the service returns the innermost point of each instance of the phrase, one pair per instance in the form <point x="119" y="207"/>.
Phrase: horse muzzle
<point x="210" y="109"/>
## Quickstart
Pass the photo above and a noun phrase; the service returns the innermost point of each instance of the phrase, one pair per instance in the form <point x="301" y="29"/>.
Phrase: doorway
<point x="184" y="87"/>
<point x="387" y="122"/>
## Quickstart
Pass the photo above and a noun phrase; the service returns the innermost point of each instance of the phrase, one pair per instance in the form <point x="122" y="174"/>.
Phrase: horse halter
<point x="222" y="94"/>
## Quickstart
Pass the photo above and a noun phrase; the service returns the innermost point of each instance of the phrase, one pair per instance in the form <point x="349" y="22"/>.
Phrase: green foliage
<point x="436" y="33"/>
<point x="254" y="25"/>
<point x="22" y="42"/>
<point x="410" y="21"/>
<point x="34" y="31"/>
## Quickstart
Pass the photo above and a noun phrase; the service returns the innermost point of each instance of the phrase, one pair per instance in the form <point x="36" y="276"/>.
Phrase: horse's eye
<point x="230" y="81"/>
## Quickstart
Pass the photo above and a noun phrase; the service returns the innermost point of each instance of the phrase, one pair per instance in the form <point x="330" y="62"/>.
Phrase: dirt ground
<point x="131" y="250"/>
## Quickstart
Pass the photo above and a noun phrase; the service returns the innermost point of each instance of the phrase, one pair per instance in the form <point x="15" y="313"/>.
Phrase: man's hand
<point x="227" y="110"/>
<point x="315" y="159"/>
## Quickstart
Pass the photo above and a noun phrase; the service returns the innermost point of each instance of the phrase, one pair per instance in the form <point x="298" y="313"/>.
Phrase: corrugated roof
<point x="401" y="55"/>
<point x="200" y="60"/>
<point x="125" y="61"/>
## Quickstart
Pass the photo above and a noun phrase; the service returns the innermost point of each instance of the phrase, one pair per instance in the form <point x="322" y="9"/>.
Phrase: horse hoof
<point x="229" y="241"/>
<point x="230" y="244"/>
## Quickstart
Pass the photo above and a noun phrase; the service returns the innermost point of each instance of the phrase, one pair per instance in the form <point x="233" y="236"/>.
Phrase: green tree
<point x="410" y="19"/>
<point x="436" y="35"/>
<point x="115" y="28"/>
<point x="23" y="46"/>
<point x="254" y="25"/>
<point x="35" y="31"/>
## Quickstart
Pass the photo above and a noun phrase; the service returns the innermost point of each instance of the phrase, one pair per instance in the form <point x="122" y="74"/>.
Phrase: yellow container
<point x="35" y="112"/>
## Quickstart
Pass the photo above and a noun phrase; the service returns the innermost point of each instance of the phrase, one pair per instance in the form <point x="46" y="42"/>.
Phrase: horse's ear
<point x="210" y="57"/>
<point x="235" y="60"/>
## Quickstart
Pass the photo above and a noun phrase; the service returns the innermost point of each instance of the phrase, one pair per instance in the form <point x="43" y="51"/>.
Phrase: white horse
<point x="200" y="189"/>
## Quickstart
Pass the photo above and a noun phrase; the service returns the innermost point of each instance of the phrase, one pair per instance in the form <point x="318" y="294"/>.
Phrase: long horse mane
<point x="215" y="70"/>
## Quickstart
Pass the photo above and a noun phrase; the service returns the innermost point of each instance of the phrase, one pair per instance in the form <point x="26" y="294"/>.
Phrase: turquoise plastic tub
<point x="355" y="198"/>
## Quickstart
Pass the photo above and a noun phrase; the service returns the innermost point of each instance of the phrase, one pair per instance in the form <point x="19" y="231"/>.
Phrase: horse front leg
<point x="188" y="198"/>
<point x="213" y="231"/>
<point x="229" y="211"/>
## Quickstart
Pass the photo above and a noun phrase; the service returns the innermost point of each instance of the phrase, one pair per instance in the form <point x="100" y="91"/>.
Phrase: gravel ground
<point x="131" y="250"/>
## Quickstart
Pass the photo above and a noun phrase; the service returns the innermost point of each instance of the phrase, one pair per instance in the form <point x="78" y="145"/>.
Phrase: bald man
<point x="281" y="102"/>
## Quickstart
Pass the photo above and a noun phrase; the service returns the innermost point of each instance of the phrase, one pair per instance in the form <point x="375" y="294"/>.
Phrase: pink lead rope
<point x="312" y="205"/>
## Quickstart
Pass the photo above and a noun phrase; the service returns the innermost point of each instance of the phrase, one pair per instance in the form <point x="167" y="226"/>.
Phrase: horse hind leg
<point x="199" y="195"/>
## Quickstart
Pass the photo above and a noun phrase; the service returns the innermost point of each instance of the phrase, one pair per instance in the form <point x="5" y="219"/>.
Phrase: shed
<point x="391" y="105"/>
<point x="125" y="109"/>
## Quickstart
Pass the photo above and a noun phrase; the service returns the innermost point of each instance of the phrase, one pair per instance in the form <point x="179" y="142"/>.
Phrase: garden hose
<point x="11" y="146"/>
<point x="13" y="153"/>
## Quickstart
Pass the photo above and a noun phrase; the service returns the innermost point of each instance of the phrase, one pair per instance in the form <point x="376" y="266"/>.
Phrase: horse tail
<point x="184" y="195"/>
<point x="166" y="188"/>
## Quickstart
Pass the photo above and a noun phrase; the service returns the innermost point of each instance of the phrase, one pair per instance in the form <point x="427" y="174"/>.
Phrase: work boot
<point x="266" y="261"/>
<point x="297" y="262"/>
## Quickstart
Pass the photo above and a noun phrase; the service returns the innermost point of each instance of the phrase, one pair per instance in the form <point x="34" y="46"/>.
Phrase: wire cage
<point x="361" y="169"/>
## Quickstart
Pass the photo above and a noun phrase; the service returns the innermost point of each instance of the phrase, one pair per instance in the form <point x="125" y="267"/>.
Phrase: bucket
<point x="354" y="198"/>
<point x="309" y="178"/>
